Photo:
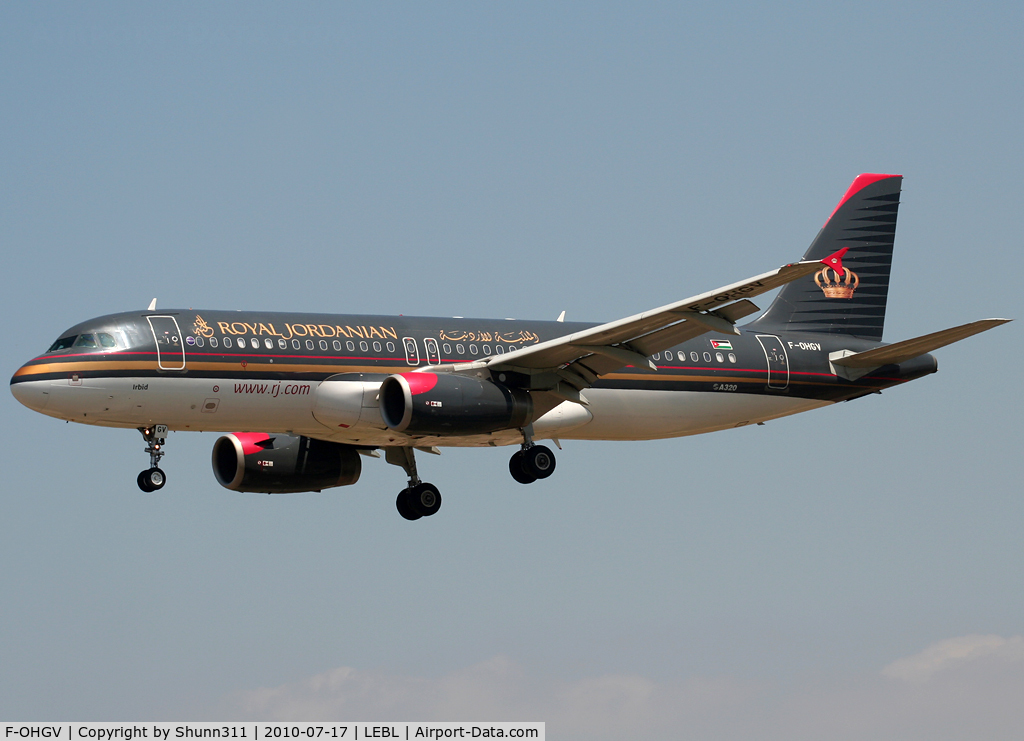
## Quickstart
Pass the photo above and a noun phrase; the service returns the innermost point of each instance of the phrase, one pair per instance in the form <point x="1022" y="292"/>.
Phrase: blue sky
<point x="852" y="572"/>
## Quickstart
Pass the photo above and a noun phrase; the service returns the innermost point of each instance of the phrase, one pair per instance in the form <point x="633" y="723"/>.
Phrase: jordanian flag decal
<point x="721" y="344"/>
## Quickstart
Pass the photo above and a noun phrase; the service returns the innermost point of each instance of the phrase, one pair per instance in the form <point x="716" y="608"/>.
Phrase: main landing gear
<point x="153" y="478"/>
<point x="532" y="462"/>
<point x="418" y="499"/>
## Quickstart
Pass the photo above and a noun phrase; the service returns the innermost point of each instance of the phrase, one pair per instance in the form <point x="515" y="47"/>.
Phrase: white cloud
<point x="497" y="690"/>
<point x="955" y="652"/>
<point x="966" y="687"/>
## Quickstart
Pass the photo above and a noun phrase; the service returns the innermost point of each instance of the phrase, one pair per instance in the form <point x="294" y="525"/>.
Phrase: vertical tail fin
<point x="852" y="303"/>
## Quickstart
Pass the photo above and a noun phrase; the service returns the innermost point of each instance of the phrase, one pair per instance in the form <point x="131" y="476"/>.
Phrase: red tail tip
<point x="859" y="183"/>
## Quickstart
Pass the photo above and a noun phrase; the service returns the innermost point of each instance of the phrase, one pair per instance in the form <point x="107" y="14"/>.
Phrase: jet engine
<point x="282" y="464"/>
<point x="448" y="404"/>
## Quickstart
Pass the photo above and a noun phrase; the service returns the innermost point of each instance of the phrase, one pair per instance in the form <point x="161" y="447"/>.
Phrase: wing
<point x="579" y="358"/>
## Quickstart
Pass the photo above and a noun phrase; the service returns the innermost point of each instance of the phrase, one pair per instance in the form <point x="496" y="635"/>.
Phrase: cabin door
<point x="170" y="350"/>
<point x="412" y="351"/>
<point x="778" y="361"/>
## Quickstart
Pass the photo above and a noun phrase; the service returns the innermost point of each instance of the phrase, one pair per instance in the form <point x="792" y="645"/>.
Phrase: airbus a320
<point x="309" y="395"/>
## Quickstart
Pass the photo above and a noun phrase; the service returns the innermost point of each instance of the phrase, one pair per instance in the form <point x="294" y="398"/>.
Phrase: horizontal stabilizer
<point x="902" y="351"/>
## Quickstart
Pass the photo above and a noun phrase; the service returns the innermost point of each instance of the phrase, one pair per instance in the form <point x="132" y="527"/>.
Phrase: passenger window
<point x="323" y="344"/>
<point x="227" y="342"/>
<point x="499" y="349"/>
<point x="694" y="357"/>
<point x="682" y="357"/>
<point x="255" y="343"/>
<point x="86" y="340"/>
<point x="363" y="346"/>
<point x="447" y="348"/>
<point x="391" y="347"/>
<point x="199" y="341"/>
<point x="350" y="346"/>
<point x="656" y="356"/>
<point x="719" y="357"/>
<point x="213" y="342"/>
<point x="707" y="357"/>
<point x="376" y="347"/>
<point x="337" y="345"/>
<point x="296" y="345"/>
<point x="309" y="344"/>
<point x="732" y="357"/>
<point x="472" y="349"/>
<point x="282" y="344"/>
<point x="487" y="349"/>
<point x="268" y="343"/>
<point x="460" y="350"/>
<point x="63" y="343"/>
<point x="107" y="340"/>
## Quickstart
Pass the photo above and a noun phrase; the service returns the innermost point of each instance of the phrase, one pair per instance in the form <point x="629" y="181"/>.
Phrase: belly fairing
<point x="649" y="415"/>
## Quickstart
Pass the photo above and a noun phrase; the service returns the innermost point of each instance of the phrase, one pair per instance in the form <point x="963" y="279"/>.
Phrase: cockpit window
<point x="86" y="340"/>
<point x="107" y="340"/>
<point x="63" y="343"/>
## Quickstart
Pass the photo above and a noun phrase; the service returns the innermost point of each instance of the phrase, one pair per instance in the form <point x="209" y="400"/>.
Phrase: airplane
<point x="309" y="395"/>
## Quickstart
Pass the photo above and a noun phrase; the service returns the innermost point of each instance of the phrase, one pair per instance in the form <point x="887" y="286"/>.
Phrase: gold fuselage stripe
<point x="150" y="365"/>
<point x="331" y="369"/>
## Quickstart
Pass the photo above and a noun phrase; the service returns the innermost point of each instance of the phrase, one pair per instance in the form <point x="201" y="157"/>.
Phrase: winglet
<point x="152" y="305"/>
<point x="835" y="261"/>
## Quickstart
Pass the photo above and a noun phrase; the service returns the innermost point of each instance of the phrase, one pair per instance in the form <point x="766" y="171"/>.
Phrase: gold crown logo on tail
<point x="839" y="283"/>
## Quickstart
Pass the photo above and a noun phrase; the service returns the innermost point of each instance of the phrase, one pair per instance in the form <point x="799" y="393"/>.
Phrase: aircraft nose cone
<point x="32" y="394"/>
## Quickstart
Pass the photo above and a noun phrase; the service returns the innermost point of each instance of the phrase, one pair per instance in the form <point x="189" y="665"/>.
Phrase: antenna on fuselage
<point x="152" y="305"/>
<point x="561" y="317"/>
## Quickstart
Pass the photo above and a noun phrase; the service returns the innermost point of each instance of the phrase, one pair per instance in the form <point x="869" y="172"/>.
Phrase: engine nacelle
<point x="448" y="404"/>
<point x="282" y="464"/>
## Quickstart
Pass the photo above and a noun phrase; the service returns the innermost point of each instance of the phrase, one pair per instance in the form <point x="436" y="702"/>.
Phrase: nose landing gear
<point x="153" y="478"/>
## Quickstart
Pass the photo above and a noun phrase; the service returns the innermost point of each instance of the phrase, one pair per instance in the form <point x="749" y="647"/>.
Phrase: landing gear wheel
<point x="538" y="461"/>
<point x="404" y="505"/>
<point x="519" y="473"/>
<point x="424" y="499"/>
<point x="152" y="480"/>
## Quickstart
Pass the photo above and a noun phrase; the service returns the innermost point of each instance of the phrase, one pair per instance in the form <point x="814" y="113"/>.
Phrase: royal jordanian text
<point x="297" y="330"/>
<point x="258" y="731"/>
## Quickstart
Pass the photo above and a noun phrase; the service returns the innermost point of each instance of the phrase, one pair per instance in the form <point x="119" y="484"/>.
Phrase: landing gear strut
<point x="532" y="461"/>
<point x="418" y="499"/>
<point x="153" y="478"/>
